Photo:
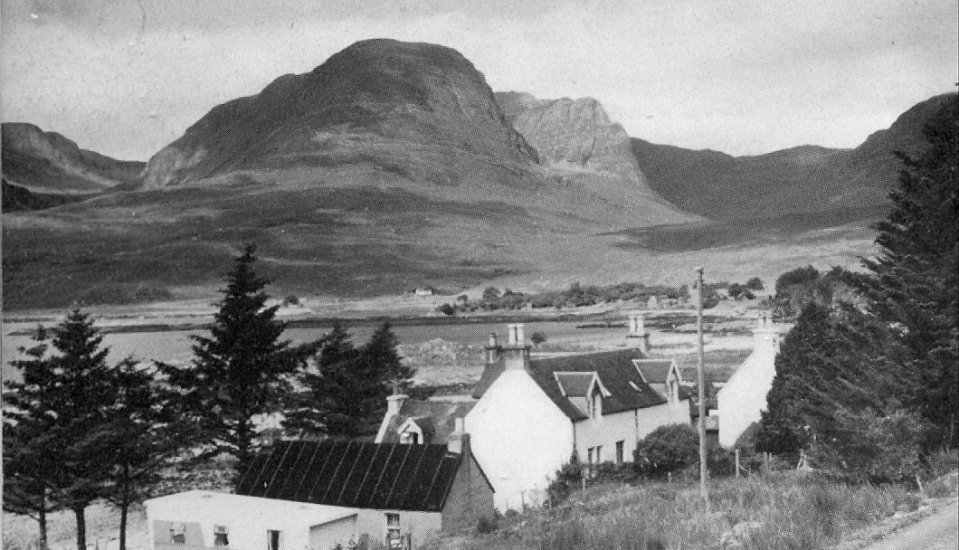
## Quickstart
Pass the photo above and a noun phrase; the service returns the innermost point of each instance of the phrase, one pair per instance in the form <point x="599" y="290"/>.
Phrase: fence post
<point x="737" y="461"/>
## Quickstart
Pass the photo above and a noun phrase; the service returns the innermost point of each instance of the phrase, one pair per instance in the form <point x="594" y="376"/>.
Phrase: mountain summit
<point x="376" y="102"/>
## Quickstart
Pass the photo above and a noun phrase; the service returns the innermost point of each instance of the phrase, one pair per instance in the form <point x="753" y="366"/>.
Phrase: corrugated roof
<point x="614" y="368"/>
<point x="354" y="474"/>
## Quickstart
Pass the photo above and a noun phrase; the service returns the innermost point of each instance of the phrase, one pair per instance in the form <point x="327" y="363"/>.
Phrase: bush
<point x="446" y="309"/>
<point x="537" y="338"/>
<point x="667" y="449"/>
<point x="291" y="300"/>
<point x="754" y="283"/>
<point x="487" y="524"/>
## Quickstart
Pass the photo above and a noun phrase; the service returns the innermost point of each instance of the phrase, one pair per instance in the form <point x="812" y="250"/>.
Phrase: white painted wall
<point x="743" y="398"/>
<point x="606" y="430"/>
<point x="520" y="438"/>
<point x="418" y="524"/>
<point x="651" y="418"/>
<point x="249" y="518"/>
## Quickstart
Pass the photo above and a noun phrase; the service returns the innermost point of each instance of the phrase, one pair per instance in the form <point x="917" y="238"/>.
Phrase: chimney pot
<point x="394" y="403"/>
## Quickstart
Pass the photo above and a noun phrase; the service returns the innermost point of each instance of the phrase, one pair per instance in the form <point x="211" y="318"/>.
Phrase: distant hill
<point x="47" y="161"/>
<point x="801" y="179"/>
<point x="387" y="167"/>
<point x="20" y="199"/>
<point x="393" y="166"/>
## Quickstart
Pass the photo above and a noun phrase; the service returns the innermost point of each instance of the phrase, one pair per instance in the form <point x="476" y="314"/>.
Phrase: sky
<point x="127" y="77"/>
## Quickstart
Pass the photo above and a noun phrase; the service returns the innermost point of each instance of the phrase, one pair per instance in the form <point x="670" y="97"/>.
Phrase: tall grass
<point x="793" y="511"/>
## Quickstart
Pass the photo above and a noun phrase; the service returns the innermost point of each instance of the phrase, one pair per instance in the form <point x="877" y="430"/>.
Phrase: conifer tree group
<point x="871" y="388"/>
<point x="78" y="429"/>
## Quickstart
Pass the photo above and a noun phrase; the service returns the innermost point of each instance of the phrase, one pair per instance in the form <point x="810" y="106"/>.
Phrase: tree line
<point x="867" y="380"/>
<point x="78" y="429"/>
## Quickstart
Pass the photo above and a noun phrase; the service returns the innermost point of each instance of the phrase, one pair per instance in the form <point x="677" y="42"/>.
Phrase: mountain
<point x="577" y="141"/>
<point x="47" y="161"/>
<point x="805" y="179"/>
<point x="19" y="199"/>
<point x="387" y="167"/>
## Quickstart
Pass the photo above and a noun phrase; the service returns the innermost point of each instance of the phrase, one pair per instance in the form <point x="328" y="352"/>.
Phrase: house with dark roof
<point x="533" y="415"/>
<point x="664" y="376"/>
<point x="316" y="495"/>
<point x="422" y="420"/>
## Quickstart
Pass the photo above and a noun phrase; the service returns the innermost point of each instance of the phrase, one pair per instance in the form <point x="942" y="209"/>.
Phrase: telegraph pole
<point x="702" y="393"/>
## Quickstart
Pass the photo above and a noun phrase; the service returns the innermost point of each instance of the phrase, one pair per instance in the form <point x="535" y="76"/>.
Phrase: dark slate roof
<point x="353" y="474"/>
<point x="574" y="384"/>
<point x="441" y="415"/>
<point x="615" y="370"/>
<point x="655" y="371"/>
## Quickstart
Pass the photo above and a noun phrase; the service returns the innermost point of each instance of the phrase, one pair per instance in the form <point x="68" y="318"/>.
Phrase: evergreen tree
<point x="56" y="441"/>
<point x="147" y="434"/>
<point x="913" y="287"/>
<point x="30" y="455"/>
<point x="346" y="391"/>
<point x="241" y="369"/>
<point x="829" y="361"/>
<point x="81" y="400"/>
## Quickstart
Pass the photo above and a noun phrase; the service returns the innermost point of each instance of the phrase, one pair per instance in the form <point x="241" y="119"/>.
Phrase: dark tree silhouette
<point x="241" y="370"/>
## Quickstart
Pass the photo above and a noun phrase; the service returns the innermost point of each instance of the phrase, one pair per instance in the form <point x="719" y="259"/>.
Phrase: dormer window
<point x="596" y="405"/>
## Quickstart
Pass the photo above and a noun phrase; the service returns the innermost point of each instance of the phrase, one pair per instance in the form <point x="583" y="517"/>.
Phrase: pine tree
<point x="147" y="434"/>
<point x="346" y="391"/>
<point x="30" y="455"/>
<point x="831" y="360"/>
<point x="57" y="441"/>
<point x="913" y="287"/>
<point x="81" y="401"/>
<point x="241" y="370"/>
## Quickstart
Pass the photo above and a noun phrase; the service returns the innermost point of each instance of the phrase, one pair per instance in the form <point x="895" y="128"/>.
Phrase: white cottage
<point x="303" y="495"/>
<point x="534" y="415"/>
<point x="743" y="398"/>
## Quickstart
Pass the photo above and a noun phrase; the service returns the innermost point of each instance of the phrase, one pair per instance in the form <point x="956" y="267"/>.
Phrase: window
<point x="596" y="405"/>
<point x="619" y="451"/>
<point x="410" y="438"/>
<point x="673" y="391"/>
<point x="221" y="535"/>
<point x="178" y="534"/>
<point x="273" y="540"/>
<point x="595" y="454"/>
<point x="393" y="537"/>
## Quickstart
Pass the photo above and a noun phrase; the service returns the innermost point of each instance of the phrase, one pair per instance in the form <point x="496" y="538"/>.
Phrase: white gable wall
<point x="520" y="438"/>
<point x="743" y="398"/>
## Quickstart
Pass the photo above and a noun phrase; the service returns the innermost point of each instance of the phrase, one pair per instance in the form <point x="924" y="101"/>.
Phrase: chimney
<point x="493" y="349"/>
<point x="458" y="441"/>
<point x="516" y="352"/>
<point x="394" y="403"/>
<point x="637" y="331"/>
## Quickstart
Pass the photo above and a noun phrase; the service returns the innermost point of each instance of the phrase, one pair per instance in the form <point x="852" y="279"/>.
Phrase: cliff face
<point x="378" y="102"/>
<point x="48" y="161"/>
<point x="576" y="140"/>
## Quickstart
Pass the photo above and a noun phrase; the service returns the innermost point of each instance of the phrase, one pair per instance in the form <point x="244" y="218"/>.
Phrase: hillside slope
<point x="799" y="180"/>
<point x="387" y="167"/>
<point x="47" y="161"/>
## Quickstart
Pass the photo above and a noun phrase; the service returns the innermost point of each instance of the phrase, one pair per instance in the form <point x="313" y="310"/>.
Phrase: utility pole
<point x="702" y="393"/>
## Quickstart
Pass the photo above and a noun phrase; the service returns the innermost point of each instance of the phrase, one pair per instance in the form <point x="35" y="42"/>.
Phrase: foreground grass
<point x="791" y="511"/>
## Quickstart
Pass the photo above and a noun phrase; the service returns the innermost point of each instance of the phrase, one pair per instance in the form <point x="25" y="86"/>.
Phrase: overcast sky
<point x="126" y="77"/>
